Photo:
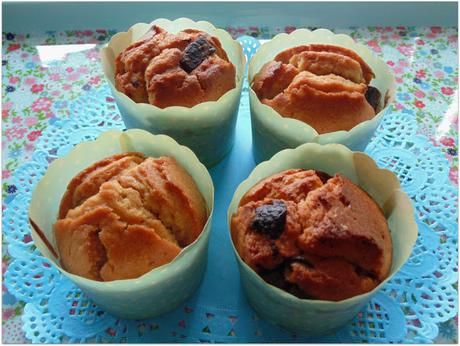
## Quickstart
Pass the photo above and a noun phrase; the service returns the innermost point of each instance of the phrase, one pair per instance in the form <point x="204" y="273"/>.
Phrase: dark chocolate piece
<point x="373" y="96"/>
<point x="195" y="53"/>
<point x="270" y="219"/>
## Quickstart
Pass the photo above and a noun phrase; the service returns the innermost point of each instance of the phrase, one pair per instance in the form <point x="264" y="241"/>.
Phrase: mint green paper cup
<point x="207" y="128"/>
<point x="318" y="317"/>
<point x="272" y="132"/>
<point x="163" y="288"/>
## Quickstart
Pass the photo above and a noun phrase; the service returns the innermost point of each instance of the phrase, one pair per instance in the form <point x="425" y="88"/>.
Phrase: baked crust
<point x="335" y="243"/>
<point x="151" y="69"/>
<point x="127" y="214"/>
<point x="322" y="85"/>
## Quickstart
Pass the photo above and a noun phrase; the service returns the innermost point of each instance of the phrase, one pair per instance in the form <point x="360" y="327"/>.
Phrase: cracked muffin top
<point x="322" y="85"/>
<point x="182" y="69"/>
<point x="127" y="214"/>
<point x="315" y="236"/>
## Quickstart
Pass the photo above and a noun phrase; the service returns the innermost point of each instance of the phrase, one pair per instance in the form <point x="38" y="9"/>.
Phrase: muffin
<point x="127" y="214"/>
<point x="316" y="87"/>
<point x="182" y="69"/>
<point x="179" y="78"/>
<point x="323" y="85"/>
<point x="312" y="235"/>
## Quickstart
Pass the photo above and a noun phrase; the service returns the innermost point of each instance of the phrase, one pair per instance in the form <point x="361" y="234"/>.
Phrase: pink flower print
<point x="72" y="77"/>
<point x="388" y="28"/>
<point x="403" y="63"/>
<point x="8" y="105"/>
<point x="5" y="113"/>
<point x="399" y="106"/>
<point x="29" y="80"/>
<point x="438" y="74"/>
<point x="56" y="93"/>
<point x="13" y="80"/>
<point x="419" y="104"/>
<point x="83" y="70"/>
<point x="420" y="74"/>
<point x="288" y="29"/>
<point x="6" y="173"/>
<point x="31" y="121"/>
<point x="49" y="115"/>
<point x="398" y="70"/>
<point x="436" y="29"/>
<point x="92" y="54"/>
<point x="420" y="42"/>
<point x="34" y="135"/>
<point x="66" y="87"/>
<point x="29" y="147"/>
<point x="452" y="38"/>
<point x="447" y="141"/>
<point x="36" y="88"/>
<point x="15" y="133"/>
<point x="430" y="35"/>
<point x="406" y="49"/>
<point x="24" y="55"/>
<point x="94" y="80"/>
<point x="55" y="77"/>
<point x="395" y="37"/>
<point x="35" y="58"/>
<point x="7" y="314"/>
<point x="69" y="69"/>
<point x="13" y="47"/>
<point x="399" y="80"/>
<point x="41" y="104"/>
<point x="420" y="94"/>
<point x="453" y="175"/>
<point x="88" y="33"/>
<point x="17" y="120"/>
<point x="447" y="90"/>
<point x="390" y="63"/>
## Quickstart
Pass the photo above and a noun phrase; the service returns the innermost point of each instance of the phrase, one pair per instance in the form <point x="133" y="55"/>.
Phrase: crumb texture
<point x="334" y="242"/>
<point x="127" y="214"/>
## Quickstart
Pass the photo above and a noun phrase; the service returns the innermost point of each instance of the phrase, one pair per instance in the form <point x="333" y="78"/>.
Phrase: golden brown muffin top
<point x="127" y="214"/>
<point x="325" y="86"/>
<point x="181" y="69"/>
<point x="322" y="237"/>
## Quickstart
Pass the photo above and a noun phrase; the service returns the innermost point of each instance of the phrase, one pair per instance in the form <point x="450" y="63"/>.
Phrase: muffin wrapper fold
<point x="271" y="132"/>
<point x="161" y="289"/>
<point x="207" y="128"/>
<point x="316" y="317"/>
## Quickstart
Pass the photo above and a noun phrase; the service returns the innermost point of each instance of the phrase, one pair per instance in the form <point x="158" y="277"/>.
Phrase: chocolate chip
<point x="270" y="219"/>
<point x="324" y="177"/>
<point x="195" y="53"/>
<point x="373" y="96"/>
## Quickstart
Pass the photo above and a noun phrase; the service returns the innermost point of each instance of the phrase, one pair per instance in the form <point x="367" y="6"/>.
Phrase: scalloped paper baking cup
<point x="163" y="288"/>
<point x="207" y="128"/>
<point x="272" y="132"/>
<point x="316" y="317"/>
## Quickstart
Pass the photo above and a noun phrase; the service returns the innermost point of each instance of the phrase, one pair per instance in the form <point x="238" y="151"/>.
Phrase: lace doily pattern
<point x="408" y="309"/>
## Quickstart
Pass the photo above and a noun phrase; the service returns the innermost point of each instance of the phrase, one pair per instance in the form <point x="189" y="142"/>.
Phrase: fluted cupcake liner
<point x="272" y="132"/>
<point x="315" y="317"/>
<point x="161" y="289"/>
<point x="207" y="128"/>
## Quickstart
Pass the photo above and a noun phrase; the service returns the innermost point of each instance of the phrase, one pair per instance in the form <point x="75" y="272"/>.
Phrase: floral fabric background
<point x="39" y="81"/>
